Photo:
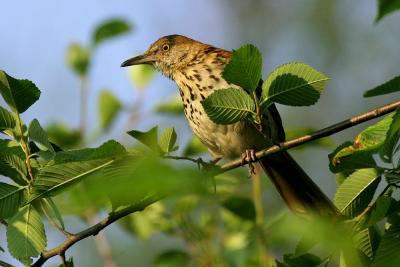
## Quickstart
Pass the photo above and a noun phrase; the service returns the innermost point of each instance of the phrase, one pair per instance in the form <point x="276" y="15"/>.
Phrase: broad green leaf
<point x="172" y="258"/>
<point x="48" y="202"/>
<point x="78" y="59"/>
<point x="18" y="94"/>
<point x="240" y="206"/>
<point x="110" y="29"/>
<point x="11" y="198"/>
<point x="356" y="192"/>
<point x="346" y="158"/>
<point x="141" y="75"/>
<point x="63" y="136"/>
<point x="149" y="138"/>
<point x="387" y="253"/>
<point x="7" y="120"/>
<point x="70" y="167"/>
<point x="12" y="164"/>
<point x="171" y="107"/>
<point x="392" y="178"/>
<point x="228" y="106"/>
<point x="168" y="140"/>
<point x="38" y="135"/>
<point x="367" y="241"/>
<point x="109" y="107"/>
<point x="377" y="212"/>
<point x="244" y="68"/>
<point x="392" y="137"/>
<point x="25" y="234"/>
<point x="194" y="147"/>
<point x="385" y="7"/>
<point x="293" y="84"/>
<point x="389" y="87"/>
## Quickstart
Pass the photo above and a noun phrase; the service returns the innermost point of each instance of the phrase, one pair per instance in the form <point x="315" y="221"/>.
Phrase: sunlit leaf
<point x="228" y="106"/>
<point x="389" y="87"/>
<point x="149" y="138"/>
<point x="293" y="84"/>
<point x="168" y="140"/>
<point x="356" y="192"/>
<point x="386" y="7"/>
<point x="141" y="75"/>
<point x="38" y="135"/>
<point x="109" y="106"/>
<point x="18" y="94"/>
<point x="110" y="29"/>
<point x="11" y="198"/>
<point x="244" y="68"/>
<point x="12" y="164"/>
<point x="377" y="212"/>
<point x="387" y="253"/>
<point x="7" y="120"/>
<point x="25" y="233"/>
<point x="367" y="241"/>
<point x="78" y="58"/>
<point x="54" y="211"/>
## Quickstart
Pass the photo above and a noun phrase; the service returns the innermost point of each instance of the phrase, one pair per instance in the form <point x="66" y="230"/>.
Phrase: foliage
<point x="386" y="7"/>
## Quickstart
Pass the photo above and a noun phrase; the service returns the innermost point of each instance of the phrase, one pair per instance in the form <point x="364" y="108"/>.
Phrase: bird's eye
<point x="165" y="47"/>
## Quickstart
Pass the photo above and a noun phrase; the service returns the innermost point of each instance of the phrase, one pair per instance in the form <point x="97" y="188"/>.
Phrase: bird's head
<point x="168" y="54"/>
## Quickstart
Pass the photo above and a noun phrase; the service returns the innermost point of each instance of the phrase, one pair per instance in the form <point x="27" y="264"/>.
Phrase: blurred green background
<point x="338" y="38"/>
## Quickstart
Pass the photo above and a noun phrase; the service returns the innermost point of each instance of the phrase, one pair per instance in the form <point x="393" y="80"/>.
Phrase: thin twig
<point x="5" y="264"/>
<point x="2" y="221"/>
<point x="335" y="128"/>
<point x="94" y="230"/>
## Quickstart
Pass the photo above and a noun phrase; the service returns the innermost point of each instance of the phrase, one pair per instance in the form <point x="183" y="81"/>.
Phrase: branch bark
<point x="114" y="216"/>
<point x="94" y="230"/>
<point x="335" y="128"/>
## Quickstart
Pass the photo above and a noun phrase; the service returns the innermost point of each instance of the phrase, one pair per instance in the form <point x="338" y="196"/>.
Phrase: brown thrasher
<point x="197" y="69"/>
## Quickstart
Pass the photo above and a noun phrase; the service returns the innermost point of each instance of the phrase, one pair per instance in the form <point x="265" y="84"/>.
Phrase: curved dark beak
<point x="142" y="59"/>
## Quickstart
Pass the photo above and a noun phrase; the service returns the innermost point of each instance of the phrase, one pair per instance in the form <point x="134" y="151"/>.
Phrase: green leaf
<point x="346" y="158"/>
<point x="109" y="107"/>
<point x="7" y="120"/>
<point x="240" y="206"/>
<point x="11" y="163"/>
<point x="356" y="192"/>
<point x="141" y="75"/>
<point x="385" y="7"/>
<point x="18" y="94"/>
<point x="293" y="84"/>
<point x="63" y="136"/>
<point x="228" y="106"/>
<point x="172" y="258"/>
<point x="194" y="147"/>
<point x="389" y="87"/>
<point x="70" y="167"/>
<point x="387" y="253"/>
<point x="377" y="212"/>
<point x="392" y="178"/>
<point x="11" y="198"/>
<point x="69" y="263"/>
<point x="392" y="137"/>
<point x="78" y="59"/>
<point x="25" y="234"/>
<point x="367" y="241"/>
<point x="148" y="138"/>
<point x="171" y="107"/>
<point x="39" y="136"/>
<point x="244" y="68"/>
<point x="168" y="140"/>
<point x="110" y="29"/>
<point x="54" y="211"/>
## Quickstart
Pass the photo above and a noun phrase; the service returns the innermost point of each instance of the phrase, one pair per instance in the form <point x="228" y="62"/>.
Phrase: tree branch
<point x="335" y="128"/>
<point x="94" y="230"/>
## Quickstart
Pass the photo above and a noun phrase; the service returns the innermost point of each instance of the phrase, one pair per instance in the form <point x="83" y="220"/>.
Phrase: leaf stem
<point x="26" y="150"/>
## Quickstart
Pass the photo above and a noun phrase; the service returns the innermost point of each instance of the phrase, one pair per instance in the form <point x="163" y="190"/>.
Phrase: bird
<point x="197" y="69"/>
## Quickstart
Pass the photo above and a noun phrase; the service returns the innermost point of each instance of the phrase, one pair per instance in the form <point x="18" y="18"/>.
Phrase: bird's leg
<point x="249" y="156"/>
<point x="207" y="165"/>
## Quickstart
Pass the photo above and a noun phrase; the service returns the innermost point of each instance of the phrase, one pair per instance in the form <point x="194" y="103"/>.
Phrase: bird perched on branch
<point x="197" y="70"/>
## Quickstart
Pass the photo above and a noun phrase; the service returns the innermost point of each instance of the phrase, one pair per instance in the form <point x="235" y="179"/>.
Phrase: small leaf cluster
<point x="361" y="165"/>
<point x="293" y="84"/>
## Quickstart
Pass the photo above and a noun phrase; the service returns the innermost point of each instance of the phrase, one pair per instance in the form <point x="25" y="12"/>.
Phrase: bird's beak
<point x="142" y="59"/>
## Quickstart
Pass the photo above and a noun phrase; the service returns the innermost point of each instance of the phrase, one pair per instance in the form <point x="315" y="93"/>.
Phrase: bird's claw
<point x="249" y="156"/>
<point x="207" y="165"/>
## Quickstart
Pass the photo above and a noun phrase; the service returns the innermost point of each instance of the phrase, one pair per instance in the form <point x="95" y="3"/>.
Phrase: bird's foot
<point x="208" y="165"/>
<point x="249" y="156"/>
